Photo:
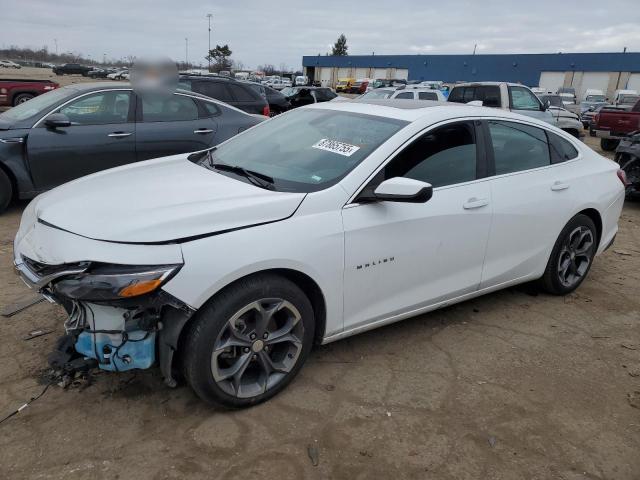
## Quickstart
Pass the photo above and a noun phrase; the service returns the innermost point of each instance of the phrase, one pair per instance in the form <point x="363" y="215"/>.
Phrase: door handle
<point x="475" y="203"/>
<point x="203" y="131"/>
<point x="557" y="186"/>
<point x="119" y="134"/>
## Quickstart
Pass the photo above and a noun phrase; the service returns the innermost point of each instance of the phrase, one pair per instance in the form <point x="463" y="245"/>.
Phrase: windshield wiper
<point x="258" y="179"/>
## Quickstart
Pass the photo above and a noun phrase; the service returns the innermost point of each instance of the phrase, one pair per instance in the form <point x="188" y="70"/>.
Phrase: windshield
<point x="595" y="98"/>
<point x="288" y="91"/>
<point x="377" y="93"/>
<point x="629" y="99"/>
<point x="307" y="150"/>
<point x="41" y="103"/>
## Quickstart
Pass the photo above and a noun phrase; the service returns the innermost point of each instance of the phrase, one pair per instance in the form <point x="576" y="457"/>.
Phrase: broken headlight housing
<point x="104" y="282"/>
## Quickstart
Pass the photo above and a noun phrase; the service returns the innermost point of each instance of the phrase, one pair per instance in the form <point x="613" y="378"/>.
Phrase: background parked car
<point x="628" y="157"/>
<point x="359" y="86"/>
<point x="613" y="124"/>
<point x="227" y="90"/>
<point x="16" y="91"/>
<point x="565" y="119"/>
<point x="84" y="128"/>
<point x="300" y="96"/>
<point x="409" y="92"/>
<point x="626" y="99"/>
<point x="507" y="96"/>
<point x="344" y="84"/>
<point x="278" y="103"/>
<point x="9" y="64"/>
<point x="71" y="69"/>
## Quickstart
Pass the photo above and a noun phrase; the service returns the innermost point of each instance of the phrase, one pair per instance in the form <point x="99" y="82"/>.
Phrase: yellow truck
<point x="344" y="84"/>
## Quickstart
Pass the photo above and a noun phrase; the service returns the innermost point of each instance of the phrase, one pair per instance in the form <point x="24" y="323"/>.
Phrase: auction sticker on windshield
<point x="336" y="147"/>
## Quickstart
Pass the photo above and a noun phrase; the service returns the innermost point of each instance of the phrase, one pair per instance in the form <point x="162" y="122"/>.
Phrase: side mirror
<point x="545" y="106"/>
<point x="57" y="120"/>
<point x="400" y="189"/>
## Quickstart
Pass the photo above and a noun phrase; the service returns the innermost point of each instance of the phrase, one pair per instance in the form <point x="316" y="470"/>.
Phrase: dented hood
<point x="162" y="200"/>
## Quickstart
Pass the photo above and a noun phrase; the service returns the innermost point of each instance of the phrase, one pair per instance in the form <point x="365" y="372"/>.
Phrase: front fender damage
<point x="121" y="335"/>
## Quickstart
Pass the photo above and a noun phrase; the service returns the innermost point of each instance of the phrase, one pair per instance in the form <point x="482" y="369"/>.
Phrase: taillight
<point x="596" y="117"/>
<point x="265" y="111"/>
<point x="622" y="176"/>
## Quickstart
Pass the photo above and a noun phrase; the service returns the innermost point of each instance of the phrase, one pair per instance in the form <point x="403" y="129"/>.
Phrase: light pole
<point x="186" y="52"/>
<point x="55" y="40"/>
<point x="209" y="15"/>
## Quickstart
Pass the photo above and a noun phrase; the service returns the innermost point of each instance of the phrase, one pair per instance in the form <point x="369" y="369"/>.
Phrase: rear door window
<point x="173" y="109"/>
<point x="490" y="96"/>
<point x="518" y="147"/>
<point x="242" y="94"/>
<point x="217" y="90"/>
<point x="405" y="95"/>
<point x="427" y="96"/>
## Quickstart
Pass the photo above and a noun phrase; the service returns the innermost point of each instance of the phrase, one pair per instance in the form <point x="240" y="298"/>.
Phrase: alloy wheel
<point x="575" y="256"/>
<point x="257" y="347"/>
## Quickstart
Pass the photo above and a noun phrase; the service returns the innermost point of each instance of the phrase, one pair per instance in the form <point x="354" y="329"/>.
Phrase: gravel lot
<point x="514" y="385"/>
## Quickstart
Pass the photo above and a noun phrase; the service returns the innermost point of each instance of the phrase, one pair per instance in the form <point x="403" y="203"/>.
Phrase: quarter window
<point x="561" y="150"/>
<point x="523" y="99"/>
<point x="444" y="156"/>
<point x="172" y="109"/>
<point x="99" y="109"/>
<point x="518" y="147"/>
<point x="242" y="94"/>
<point x="405" y="95"/>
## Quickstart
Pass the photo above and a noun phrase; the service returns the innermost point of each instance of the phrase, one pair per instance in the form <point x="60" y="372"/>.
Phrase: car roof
<point x="480" y="84"/>
<point x="414" y="110"/>
<point x="96" y="86"/>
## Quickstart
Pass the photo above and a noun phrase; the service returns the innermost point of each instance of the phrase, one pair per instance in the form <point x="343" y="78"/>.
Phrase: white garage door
<point x="551" y="81"/>
<point x="362" y="73"/>
<point x="596" y="80"/>
<point x="634" y="82"/>
<point x="344" y="72"/>
<point x="325" y="76"/>
<point x="402" y="73"/>
<point x="380" y="73"/>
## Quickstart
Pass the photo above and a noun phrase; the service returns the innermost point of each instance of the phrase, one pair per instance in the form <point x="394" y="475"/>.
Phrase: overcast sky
<point x="281" y="32"/>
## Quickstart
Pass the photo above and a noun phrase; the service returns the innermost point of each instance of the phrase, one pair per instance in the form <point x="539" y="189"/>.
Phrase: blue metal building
<point x="523" y="68"/>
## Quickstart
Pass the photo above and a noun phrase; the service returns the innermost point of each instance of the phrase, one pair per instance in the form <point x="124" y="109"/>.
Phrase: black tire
<point x="22" y="97"/>
<point x="608" y="144"/>
<point x="212" y="324"/>
<point x="6" y="191"/>
<point x="552" y="280"/>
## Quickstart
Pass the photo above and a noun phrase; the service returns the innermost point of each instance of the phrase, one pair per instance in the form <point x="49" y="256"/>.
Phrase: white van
<point x="301" y="80"/>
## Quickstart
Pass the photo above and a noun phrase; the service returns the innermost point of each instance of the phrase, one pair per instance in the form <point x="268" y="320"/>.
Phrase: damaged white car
<point x="227" y="265"/>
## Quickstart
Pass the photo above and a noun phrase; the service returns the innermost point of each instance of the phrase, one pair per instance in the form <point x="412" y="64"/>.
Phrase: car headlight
<point x="114" y="282"/>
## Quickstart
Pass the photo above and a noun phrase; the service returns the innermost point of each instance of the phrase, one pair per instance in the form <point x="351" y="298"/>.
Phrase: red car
<point x="16" y="91"/>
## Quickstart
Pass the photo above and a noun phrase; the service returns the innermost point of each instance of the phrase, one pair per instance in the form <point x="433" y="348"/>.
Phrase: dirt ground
<point x="514" y="385"/>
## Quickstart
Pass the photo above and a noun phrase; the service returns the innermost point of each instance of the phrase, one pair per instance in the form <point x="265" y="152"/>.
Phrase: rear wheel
<point x="6" y="191"/>
<point x="21" y="98"/>
<point x="608" y="144"/>
<point x="249" y="341"/>
<point x="571" y="257"/>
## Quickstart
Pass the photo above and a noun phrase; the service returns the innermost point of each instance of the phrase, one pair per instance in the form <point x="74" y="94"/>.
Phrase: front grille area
<point x="43" y="270"/>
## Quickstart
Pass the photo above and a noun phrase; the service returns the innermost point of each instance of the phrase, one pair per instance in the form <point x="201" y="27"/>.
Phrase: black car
<point x="299" y="96"/>
<point x="87" y="127"/>
<point x="71" y="69"/>
<point x="628" y="157"/>
<point x="278" y="103"/>
<point x="228" y="90"/>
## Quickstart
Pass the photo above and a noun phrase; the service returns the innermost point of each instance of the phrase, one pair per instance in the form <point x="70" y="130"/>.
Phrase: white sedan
<point x="318" y="224"/>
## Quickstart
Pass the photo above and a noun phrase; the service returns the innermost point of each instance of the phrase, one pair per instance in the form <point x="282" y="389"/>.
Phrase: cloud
<point x="259" y="32"/>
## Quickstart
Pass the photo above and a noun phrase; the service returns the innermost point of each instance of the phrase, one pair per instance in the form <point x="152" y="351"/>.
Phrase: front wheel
<point x="248" y="342"/>
<point x="571" y="257"/>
